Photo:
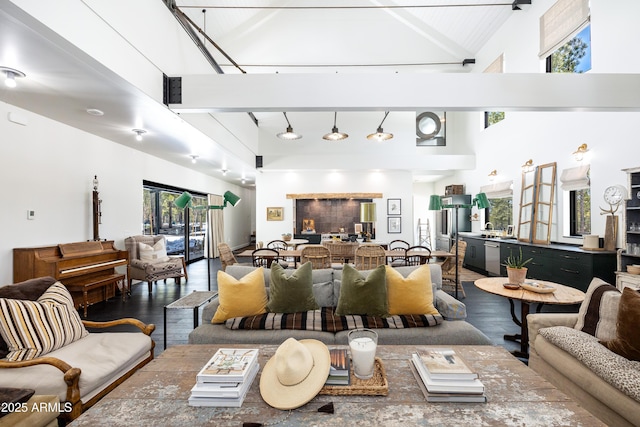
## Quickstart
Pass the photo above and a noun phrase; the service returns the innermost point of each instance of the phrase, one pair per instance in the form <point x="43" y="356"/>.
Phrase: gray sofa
<point x="578" y="364"/>
<point x="453" y="330"/>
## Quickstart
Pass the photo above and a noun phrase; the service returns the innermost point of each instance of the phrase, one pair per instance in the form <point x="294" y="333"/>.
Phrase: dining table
<point x="296" y="254"/>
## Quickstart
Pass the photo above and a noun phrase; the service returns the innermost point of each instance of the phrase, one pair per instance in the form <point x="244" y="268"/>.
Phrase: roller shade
<point x="496" y="66"/>
<point x="561" y="21"/>
<point x="499" y="190"/>
<point x="575" y="178"/>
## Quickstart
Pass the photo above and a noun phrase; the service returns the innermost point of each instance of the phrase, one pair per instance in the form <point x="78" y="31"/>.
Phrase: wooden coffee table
<point x="564" y="295"/>
<point x="157" y="395"/>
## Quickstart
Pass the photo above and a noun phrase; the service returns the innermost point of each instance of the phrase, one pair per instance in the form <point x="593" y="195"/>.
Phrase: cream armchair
<point x="152" y="265"/>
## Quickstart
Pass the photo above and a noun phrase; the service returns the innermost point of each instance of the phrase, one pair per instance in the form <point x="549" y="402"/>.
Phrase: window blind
<point x="560" y="22"/>
<point x="575" y="178"/>
<point x="496" y="66"/>
<point x="499" y="190"/>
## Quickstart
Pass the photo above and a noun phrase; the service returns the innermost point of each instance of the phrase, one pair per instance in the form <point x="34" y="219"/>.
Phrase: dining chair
<point x="417" y="255"/>
<point x="280" y="246"/>
<point x="265" y="256"/>
<point x="449" y="269"/>
<point x="341" y="252"/>
<point x="318" y="255"/>
<point x="369" y="256"/>
<point x="226" y="255"/>
<point x="399" y="246"/>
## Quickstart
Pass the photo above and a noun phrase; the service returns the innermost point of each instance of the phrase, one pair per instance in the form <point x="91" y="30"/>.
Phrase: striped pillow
<point x="599" y="311"/>
<point x="35" y="328"/>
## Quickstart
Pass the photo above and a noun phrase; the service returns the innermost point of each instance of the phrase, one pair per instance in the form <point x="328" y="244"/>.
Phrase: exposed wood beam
<point x="335" y="196"/>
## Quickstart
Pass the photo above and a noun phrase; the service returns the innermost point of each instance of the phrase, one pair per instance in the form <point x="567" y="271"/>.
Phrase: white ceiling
<point x="295" y="36"/>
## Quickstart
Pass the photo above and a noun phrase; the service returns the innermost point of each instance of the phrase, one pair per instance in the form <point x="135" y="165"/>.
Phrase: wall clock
<point x="615" y="194"/>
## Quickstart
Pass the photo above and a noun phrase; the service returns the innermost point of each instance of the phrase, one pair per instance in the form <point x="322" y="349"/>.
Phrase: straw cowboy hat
<point x="295" y="374"/>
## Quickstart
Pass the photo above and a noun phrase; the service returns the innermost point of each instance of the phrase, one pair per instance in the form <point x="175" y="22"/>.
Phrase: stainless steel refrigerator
<point x="446" y="221"/>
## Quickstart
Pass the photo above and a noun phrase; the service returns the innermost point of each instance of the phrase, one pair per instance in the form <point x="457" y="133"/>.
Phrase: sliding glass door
<point x="162" y="217"/>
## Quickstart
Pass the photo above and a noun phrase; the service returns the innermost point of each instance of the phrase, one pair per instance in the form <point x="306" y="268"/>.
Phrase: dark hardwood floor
<point x="487" y="312"/>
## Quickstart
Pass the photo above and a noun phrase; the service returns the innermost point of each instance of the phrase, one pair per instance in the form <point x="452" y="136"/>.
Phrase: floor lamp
<point x="184" y="201"/>
<point x="435" y="204"/>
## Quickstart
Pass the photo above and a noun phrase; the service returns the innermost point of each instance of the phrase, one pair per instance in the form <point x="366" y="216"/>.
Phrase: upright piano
<point x="87" y="269"/>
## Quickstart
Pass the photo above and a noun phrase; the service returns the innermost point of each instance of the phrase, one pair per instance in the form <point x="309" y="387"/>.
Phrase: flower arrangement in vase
<point x="516" y="270"/>
<point x="286" y="237"/>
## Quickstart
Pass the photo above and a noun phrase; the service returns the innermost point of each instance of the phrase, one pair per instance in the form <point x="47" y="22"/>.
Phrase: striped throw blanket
<point x="326" y="320"/>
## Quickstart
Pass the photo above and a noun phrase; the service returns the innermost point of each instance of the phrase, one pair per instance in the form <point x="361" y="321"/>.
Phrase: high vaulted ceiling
<point x="295" y="36"/>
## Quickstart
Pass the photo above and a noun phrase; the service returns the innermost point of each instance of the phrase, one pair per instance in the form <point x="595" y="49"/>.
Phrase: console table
<point x="157" y="394"/>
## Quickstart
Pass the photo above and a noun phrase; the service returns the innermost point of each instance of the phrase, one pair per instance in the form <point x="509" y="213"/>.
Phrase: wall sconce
<point x="580" y="152"/>
<point x="528" y="166"/>
<point x="10" y="76"/>
<point x="139" y="133"/>
<point x="492" y="175"/>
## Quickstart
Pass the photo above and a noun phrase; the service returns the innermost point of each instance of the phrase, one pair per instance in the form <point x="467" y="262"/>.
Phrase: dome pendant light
<point x="289" y="134"/>
<point x="380" y="135"/>
<point x="335" y="135"/>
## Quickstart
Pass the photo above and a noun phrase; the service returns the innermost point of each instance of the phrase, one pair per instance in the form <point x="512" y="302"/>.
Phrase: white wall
<point x="549" y="136"/>
<point x="274" y="186"/>
<point x="48" y="167"/>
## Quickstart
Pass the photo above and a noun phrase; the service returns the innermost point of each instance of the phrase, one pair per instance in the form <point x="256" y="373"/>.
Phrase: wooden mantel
<point x="335" y="196"/>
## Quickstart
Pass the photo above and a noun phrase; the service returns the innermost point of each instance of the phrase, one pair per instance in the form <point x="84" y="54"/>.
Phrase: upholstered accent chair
<point x="449" y="269"/>
<point x="148" y="261"/>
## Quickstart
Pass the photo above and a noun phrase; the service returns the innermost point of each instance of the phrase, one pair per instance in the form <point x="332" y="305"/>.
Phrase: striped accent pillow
<point x="599" y="311"/>
<point x="35" y="328"/>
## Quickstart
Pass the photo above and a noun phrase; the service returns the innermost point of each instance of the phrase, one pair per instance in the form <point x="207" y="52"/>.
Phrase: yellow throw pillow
<point x="411" y="295"/>
<point x="240" y="298"/>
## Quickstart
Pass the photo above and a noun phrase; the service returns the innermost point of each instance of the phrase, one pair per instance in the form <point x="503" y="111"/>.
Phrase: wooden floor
<point x="487" y="312"/>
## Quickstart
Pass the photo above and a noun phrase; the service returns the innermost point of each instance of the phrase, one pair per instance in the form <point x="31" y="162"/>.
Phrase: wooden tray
<point x="540" y="288"/>
<point x="375" y="386"/>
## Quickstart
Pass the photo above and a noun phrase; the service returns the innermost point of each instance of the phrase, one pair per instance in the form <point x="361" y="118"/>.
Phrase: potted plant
<point x="286" y="237"/>
<point x="516" y="270"/>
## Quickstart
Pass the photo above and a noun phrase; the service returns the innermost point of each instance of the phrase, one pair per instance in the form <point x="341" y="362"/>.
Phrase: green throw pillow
<point x="291" y="294"/>
<point x="363" y="296"/>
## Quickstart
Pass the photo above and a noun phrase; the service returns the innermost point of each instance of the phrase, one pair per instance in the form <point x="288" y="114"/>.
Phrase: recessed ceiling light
<point x="139" y="133"/>
<point x="10" y="76"/>
<point x="95" y="112"/>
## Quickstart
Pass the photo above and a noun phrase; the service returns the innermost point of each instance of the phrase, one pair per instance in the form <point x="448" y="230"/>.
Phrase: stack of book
<point x="226" y="378"/>
<point x="444" y="377"/>
<point x="339" y="371"/>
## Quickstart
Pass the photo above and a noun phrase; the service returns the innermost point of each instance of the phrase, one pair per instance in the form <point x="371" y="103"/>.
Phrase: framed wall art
<point x="275" y="214"/>
<point x="394" y="225"/>
<point x="394" y="207"/>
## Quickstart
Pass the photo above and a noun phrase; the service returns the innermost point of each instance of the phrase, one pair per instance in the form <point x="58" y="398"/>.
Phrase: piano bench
<point x="99" y="289"/>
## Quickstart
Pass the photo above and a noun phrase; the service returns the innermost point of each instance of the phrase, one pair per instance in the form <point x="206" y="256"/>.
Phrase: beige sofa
<point x="82" y="372"/>
<point x="604" y="383"/>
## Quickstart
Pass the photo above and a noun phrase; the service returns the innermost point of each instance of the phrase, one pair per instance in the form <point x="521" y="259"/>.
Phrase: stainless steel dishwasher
<point x="492" y="258"/>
